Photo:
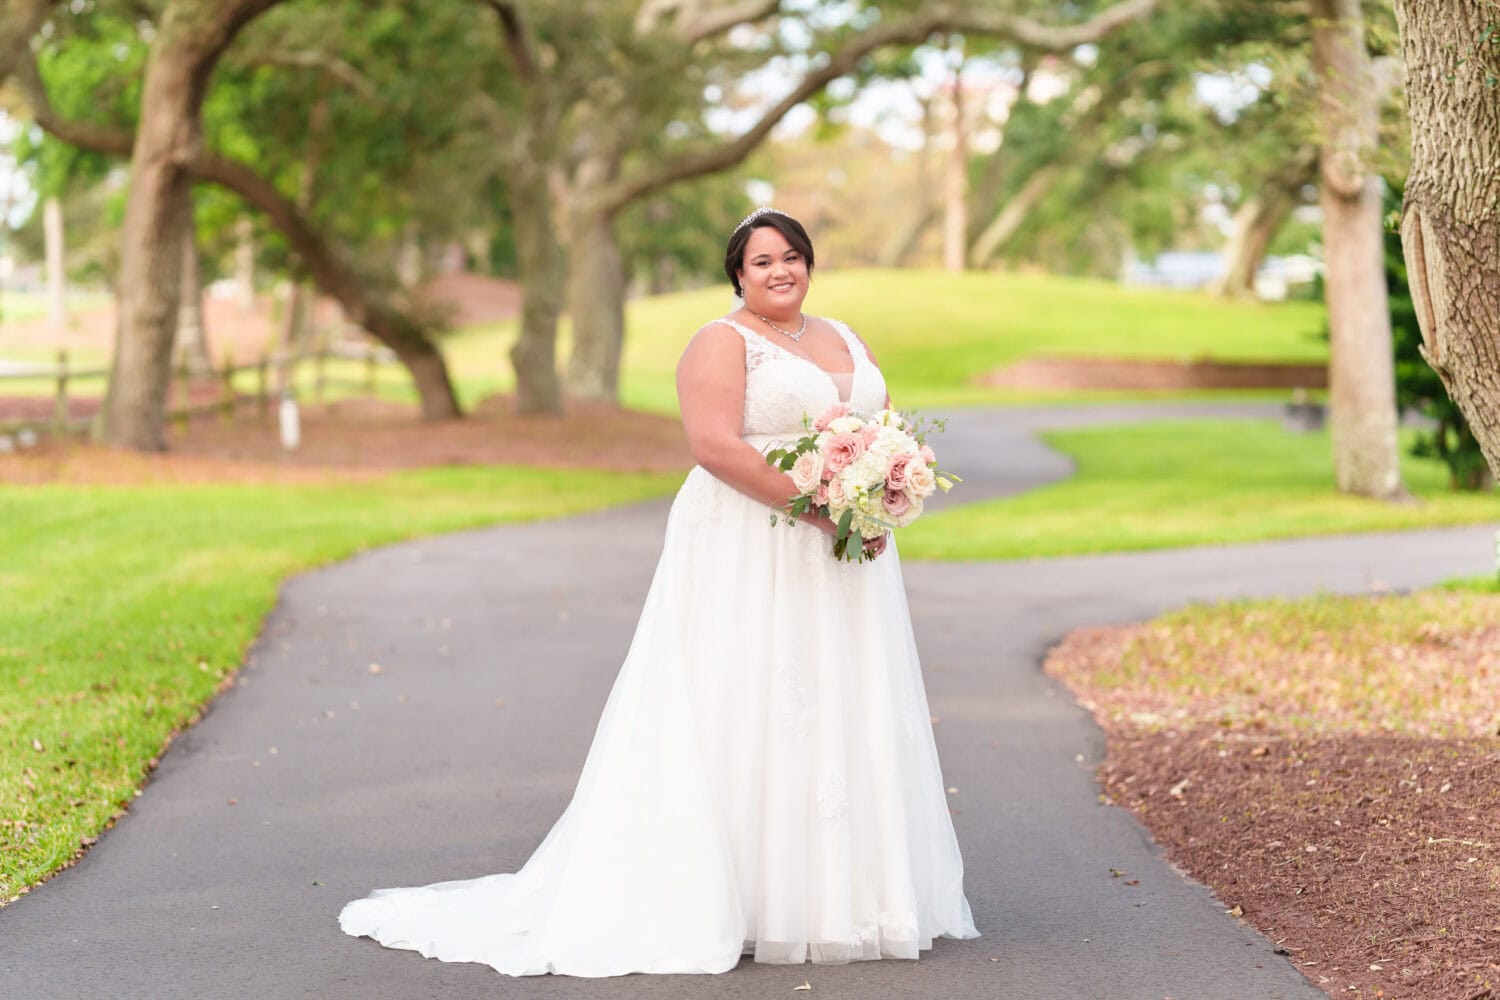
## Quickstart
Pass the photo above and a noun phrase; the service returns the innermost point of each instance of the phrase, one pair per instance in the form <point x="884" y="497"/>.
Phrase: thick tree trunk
<point x="244" y="262"/>
<point x="1450" y="222"/>
<point x="956" y="184"/>
<point x="924" y="206"/>
<point x="543" y="274"/>
<point x="156" y="214"/>
<point x="190" y="38"/>
<point x="19" y="20"/>
<point x="1362" y="385"/>
<point x="596" y="303"/>
<point x="904" y="242"/>
<point x="1258" y="221"/>
<point x="1014" y="214"/>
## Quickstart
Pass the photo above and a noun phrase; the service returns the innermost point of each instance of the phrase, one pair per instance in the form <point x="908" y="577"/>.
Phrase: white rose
<point x="920" y="481"/>
<point x="889" y="418"/>
<point x="846" y="425"/>
<point x="807" y="472"/>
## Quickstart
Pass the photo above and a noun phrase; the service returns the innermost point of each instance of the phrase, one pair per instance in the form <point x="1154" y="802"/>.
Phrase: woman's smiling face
<point x="774" y="273"/>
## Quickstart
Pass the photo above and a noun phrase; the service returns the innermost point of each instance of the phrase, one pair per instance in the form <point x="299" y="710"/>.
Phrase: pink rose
<point x="807" y="471"/>
<point x="927" y="455"/>
<point x="896" y="503"/>
<point x="895" y="477"/>
<point x="834" y="412"/>
<point x="838" y="494"/>
<point x="820" y="495"/>
<point x="869" y="432"/>
<point x="841" y="450"/>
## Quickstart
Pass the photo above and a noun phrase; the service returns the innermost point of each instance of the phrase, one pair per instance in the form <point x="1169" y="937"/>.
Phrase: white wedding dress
<point x="763" y="779"/>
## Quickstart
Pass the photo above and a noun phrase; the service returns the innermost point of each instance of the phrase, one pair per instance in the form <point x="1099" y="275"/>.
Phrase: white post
<point x="956" y="181"/>
<point x="57" y="280"/>
<point x="290" y="420"/>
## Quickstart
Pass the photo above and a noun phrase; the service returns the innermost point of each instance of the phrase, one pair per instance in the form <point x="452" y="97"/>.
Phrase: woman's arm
<point x="711" y="396"/>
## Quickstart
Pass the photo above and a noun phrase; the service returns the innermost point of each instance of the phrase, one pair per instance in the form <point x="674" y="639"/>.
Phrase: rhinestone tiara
<point x="762" y="210"/>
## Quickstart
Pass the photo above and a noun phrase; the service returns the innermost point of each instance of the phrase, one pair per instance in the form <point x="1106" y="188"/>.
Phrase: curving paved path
<point x="497" y="648"/>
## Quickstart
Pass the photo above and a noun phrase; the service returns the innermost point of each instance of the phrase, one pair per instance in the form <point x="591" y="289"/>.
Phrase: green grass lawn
<point x="934" y="332"/>
<point x="1161" y="485"/>
<point x="125" y="607"/>
<point x="31" y="305"/>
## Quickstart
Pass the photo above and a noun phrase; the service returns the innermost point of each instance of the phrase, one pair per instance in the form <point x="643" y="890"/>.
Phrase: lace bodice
<point x="780" y="387"/>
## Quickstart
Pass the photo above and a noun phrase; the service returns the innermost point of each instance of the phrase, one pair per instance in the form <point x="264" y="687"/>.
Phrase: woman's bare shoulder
<point x="714" y="340"/>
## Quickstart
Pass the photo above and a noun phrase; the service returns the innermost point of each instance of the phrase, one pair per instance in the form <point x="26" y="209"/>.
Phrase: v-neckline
<point x="853" y="372"/>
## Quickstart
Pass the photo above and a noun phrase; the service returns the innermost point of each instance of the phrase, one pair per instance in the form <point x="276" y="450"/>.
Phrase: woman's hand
<point x="822" y="522"/>
<point x="875" y="546"/>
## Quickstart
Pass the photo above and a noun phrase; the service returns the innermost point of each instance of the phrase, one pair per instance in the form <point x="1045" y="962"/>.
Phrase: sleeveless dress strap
<point x="757" y="348"/>
<point x="856" y="349"/>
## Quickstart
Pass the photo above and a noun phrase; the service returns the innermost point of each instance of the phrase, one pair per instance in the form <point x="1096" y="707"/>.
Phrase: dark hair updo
<point x="734" y="255"/>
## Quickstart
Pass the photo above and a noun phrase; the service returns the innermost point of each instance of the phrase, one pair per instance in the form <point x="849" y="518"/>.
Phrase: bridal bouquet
<point x="868" y="474"/>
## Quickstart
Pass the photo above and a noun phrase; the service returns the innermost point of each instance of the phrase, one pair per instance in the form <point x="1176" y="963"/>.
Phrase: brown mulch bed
<point x="1372" y="858"/>
<point x="1374" y="861"/>
<point x="1140" y="373"/>
<point x="361" y="438"/>
<point x="31" y="409"/>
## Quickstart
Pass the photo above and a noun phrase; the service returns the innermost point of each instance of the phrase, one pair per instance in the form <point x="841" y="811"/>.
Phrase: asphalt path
<point x="319" y="777"/>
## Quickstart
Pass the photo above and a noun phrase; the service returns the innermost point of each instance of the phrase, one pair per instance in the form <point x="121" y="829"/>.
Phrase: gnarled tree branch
<point x="19" y="20"/>
<point x="332" y="66"/>
<point x="392" y="326"/>
<point x="517" y="39"/>
<point x="911" y="30"/>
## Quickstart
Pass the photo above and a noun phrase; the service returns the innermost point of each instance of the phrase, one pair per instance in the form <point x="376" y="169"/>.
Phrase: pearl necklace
<point x="786" y="333"/>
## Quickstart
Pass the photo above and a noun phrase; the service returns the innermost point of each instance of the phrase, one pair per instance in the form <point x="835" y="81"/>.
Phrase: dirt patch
<point x="1045" y="372"/>
<point x="354" y="439"/>
<point x="1372" y="858"/>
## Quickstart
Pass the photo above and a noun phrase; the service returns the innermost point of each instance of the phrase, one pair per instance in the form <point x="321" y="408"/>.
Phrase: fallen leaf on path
<point x="805" y="986"/>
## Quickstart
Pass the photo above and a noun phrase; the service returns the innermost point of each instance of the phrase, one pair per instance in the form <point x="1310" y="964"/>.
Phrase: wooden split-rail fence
<point x="271" y="373"/>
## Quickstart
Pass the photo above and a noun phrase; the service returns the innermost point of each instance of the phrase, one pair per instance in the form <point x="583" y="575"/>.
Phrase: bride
<point x="763" y="780"/>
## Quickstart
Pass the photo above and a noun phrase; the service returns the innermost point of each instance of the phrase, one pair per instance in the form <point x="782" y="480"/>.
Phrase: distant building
<point x="1188" y="269"/>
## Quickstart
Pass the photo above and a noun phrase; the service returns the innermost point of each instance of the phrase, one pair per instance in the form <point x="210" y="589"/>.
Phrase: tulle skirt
<point x="763" y="780"/>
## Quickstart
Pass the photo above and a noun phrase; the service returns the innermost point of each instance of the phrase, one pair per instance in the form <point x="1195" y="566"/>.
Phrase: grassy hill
<point x="935" y="332"/>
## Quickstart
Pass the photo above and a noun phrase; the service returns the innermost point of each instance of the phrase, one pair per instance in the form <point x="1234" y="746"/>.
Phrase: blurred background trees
<point x="592" y="151"/>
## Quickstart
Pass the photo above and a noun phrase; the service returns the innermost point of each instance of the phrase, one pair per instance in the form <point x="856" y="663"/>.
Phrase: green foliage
<point x="125" y="609"/>
<point x="1163" y="485"/>
<point x="1418" y="386"/>
<point x="676" y="236"/>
